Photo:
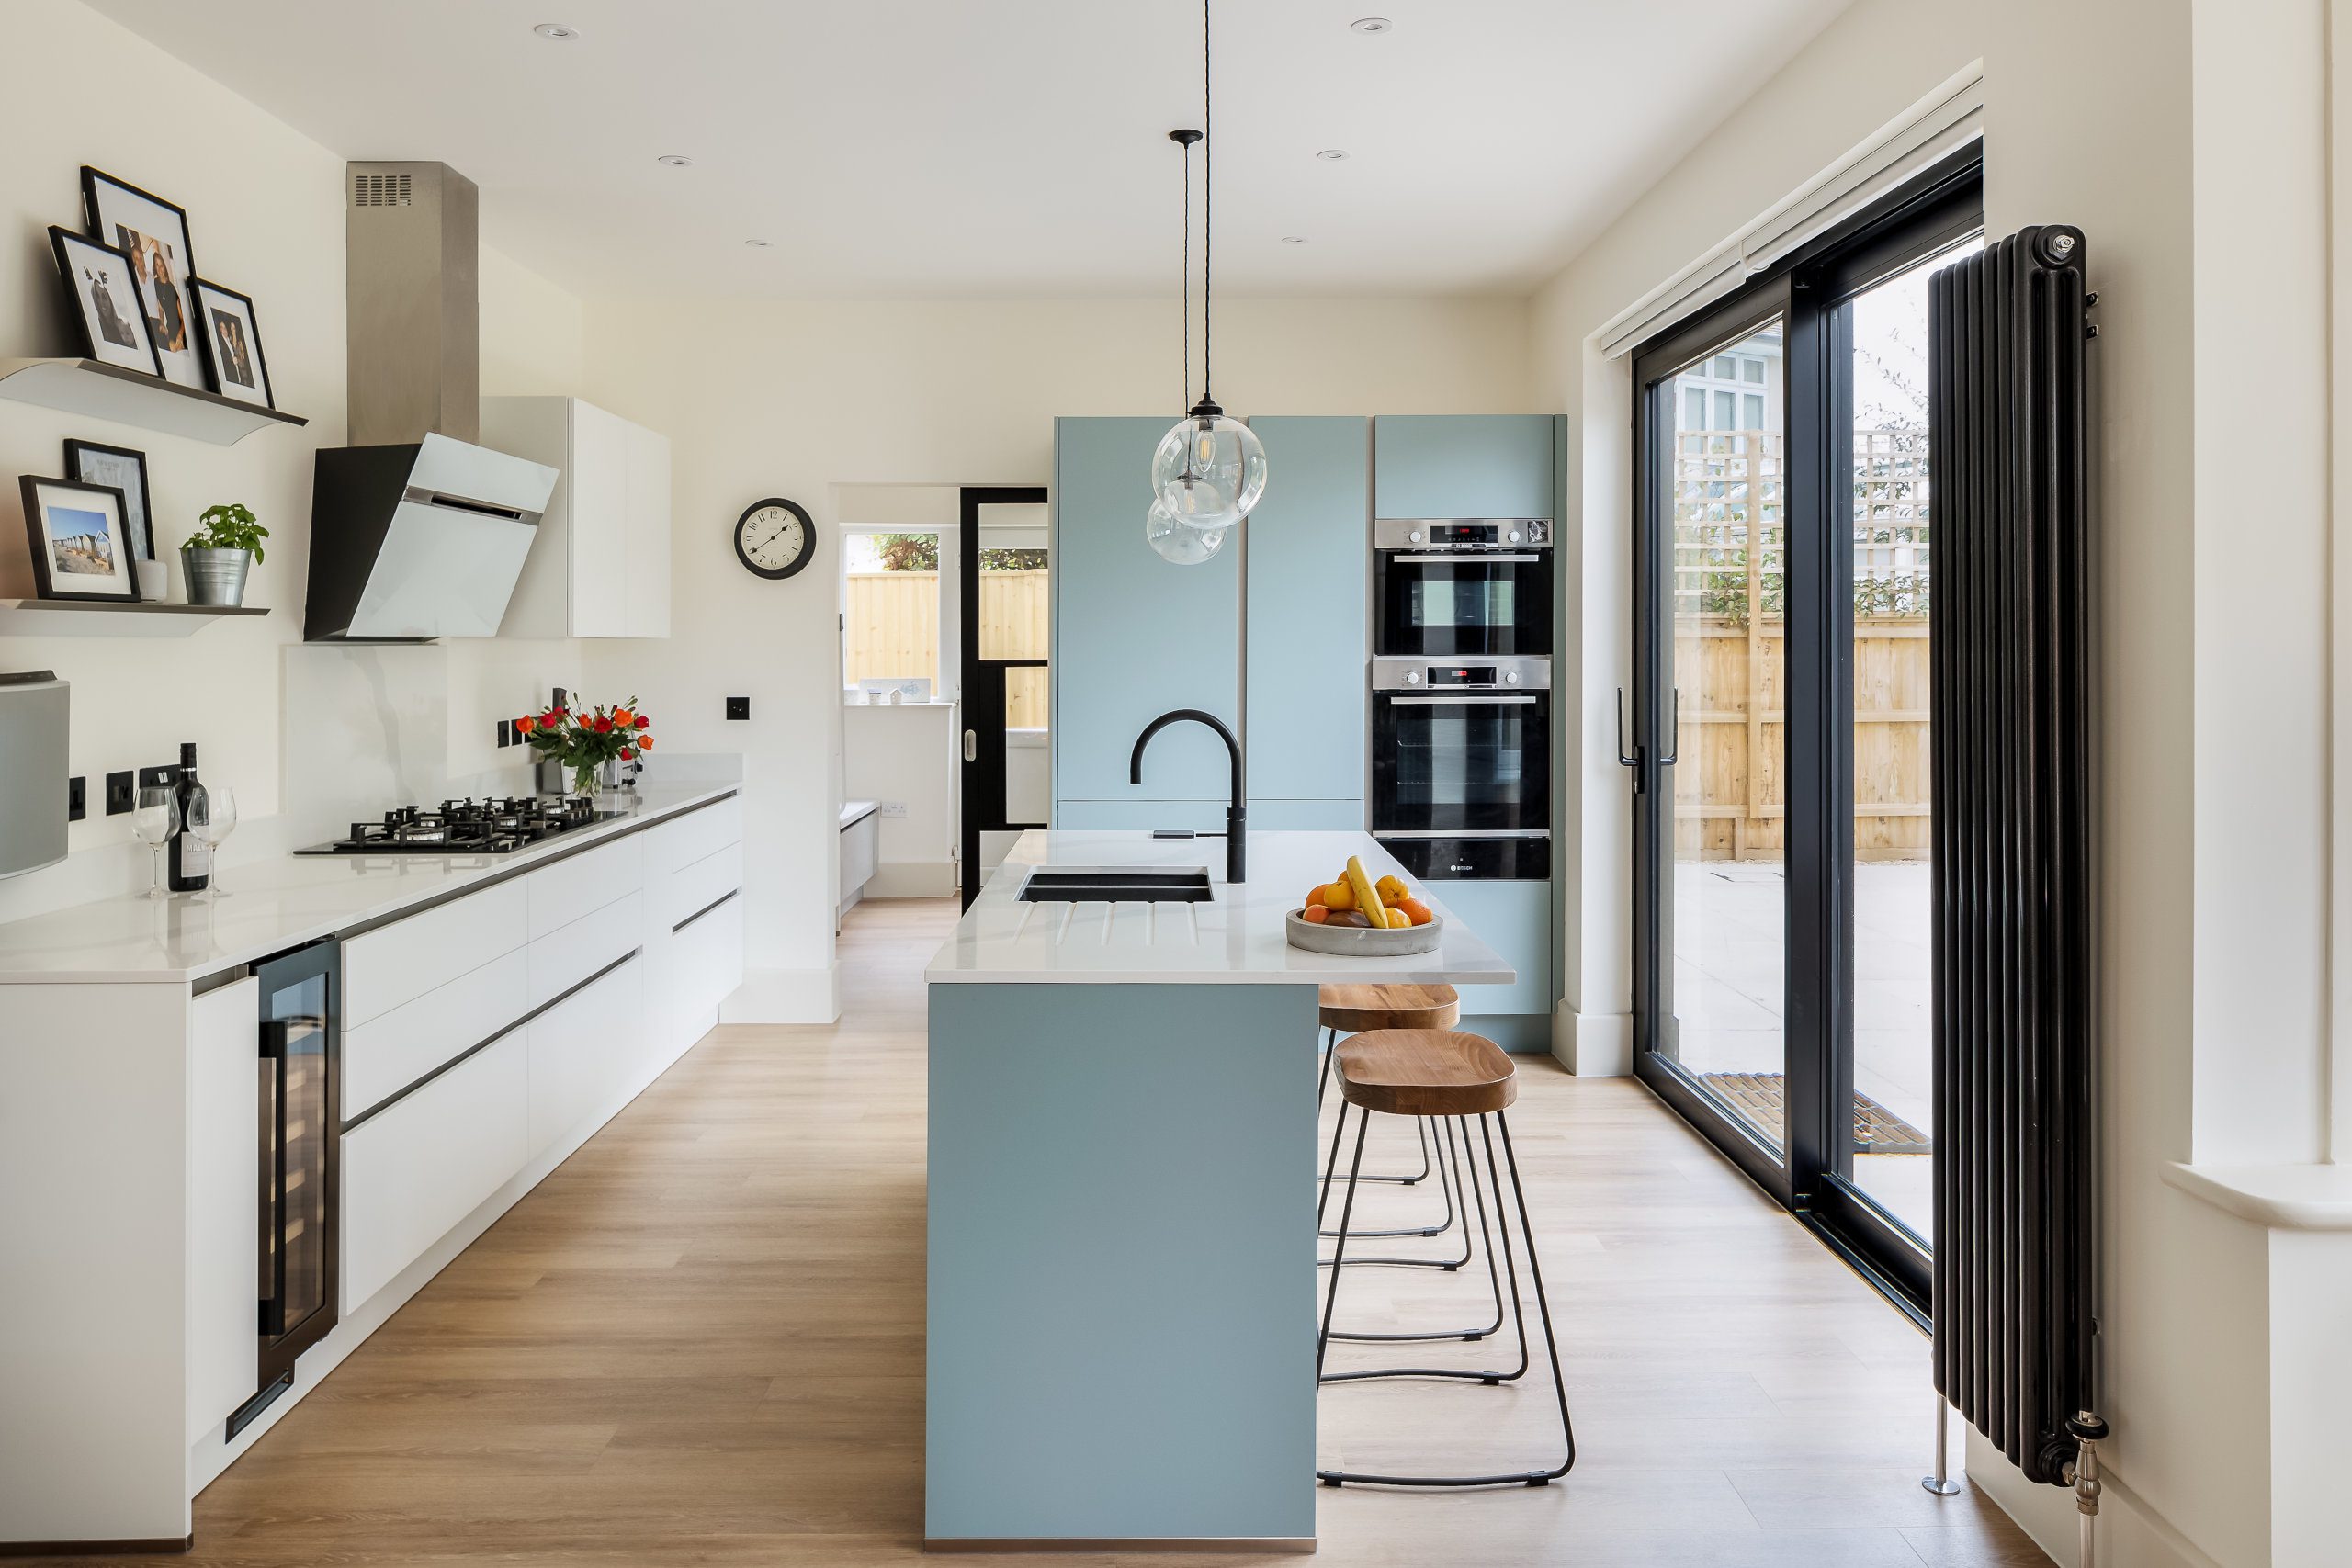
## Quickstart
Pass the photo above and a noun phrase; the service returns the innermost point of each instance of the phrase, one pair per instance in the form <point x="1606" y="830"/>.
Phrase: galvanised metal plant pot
<point x="216" y="577"/>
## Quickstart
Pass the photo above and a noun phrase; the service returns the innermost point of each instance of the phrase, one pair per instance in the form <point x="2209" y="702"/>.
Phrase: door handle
<point x="274" y="1038"/>
<point x="1498" y="701"/>
<point x="1639" y="754"/>
<point x="971" y="746"/>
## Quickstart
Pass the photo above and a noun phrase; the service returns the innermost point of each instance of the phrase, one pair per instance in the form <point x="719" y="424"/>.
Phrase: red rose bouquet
<point x="585" y="741"/>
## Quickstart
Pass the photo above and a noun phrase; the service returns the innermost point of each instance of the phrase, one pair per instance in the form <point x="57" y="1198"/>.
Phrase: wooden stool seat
<point x="1425" y="1072"/>
<point x="1353" y="1009"/>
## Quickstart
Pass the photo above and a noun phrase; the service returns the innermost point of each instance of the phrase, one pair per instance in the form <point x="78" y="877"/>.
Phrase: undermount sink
<point x="1117" y="885"/>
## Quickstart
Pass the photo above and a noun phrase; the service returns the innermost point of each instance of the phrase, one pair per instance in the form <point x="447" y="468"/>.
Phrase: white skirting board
<point x="209" y="1456"/>
<point x="785" y="995"/>
<point x="2129" y="1532"/>
<point x="1593" y="1045"/>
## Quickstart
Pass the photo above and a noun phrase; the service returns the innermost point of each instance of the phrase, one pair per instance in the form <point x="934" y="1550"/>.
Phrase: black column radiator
<point x="2011" y="693"/>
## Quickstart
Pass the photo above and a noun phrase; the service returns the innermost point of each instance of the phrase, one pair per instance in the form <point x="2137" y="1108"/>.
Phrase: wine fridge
<point x="300" y="1085"/>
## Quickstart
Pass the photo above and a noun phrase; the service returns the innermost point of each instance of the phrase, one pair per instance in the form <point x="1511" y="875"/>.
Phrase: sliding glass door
<point x="1780" y="743"/>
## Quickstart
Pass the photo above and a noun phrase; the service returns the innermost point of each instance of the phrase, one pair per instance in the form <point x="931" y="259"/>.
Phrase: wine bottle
<point x="191" y="857"/>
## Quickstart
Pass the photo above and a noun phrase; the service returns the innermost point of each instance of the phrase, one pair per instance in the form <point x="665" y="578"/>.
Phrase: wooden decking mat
<point x="1762" y="1099"/>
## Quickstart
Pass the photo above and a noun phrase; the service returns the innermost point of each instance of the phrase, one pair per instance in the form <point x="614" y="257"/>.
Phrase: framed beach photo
<point x="104" y="292"/>
<point x="153" y="233"/>
<point x="81" y="548"/>
<point x="232" y="340"/>
<point x="116" y="467"/>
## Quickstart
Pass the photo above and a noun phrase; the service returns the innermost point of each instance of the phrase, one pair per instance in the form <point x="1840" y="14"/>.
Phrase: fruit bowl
<point x="1361" y="941"/>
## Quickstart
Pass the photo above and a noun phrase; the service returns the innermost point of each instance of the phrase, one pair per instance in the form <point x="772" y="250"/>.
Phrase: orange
<point x="1338" y="897"/>
<point x="1315" y="915"/>
<point x="1392" y="890"/>
<point x="1416" y="911"/>
<point x="1398" y="919"/>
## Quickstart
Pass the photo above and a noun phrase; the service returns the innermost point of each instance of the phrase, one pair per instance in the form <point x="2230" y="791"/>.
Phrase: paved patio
<point x="1729" y="979"/>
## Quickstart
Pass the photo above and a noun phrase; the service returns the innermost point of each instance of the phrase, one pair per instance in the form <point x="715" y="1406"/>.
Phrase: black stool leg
<point x="1447" y="1265"/>
<point x="1331" y="1295"/>
<point x="1494" y="1281"/>
<point x="1543" y="1308"/>
<point x="1331" y="1049"/>
<point x="1444" y="1225"/>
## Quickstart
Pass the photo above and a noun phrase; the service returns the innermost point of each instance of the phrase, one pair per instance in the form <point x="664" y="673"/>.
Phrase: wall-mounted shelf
<point x="87" y="617"/>
<point x="128" y="396"/>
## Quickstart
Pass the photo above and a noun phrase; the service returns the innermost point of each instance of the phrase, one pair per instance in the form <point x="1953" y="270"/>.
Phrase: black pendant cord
<point x="1208" y="211"/>
<point x="1185" y="401"/>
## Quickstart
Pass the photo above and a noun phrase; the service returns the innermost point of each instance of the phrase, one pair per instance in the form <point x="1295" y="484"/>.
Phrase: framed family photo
<point x="152" y="233"/>
<point x="104" y="293"/>
<point x="231" y="341"/>
<point x="81" y="546"/>
<point x="116" y="467"/>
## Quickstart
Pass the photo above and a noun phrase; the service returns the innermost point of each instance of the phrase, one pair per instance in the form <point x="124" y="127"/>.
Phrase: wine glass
<point x="219" y="821"/>
<point x="152" y="822"/>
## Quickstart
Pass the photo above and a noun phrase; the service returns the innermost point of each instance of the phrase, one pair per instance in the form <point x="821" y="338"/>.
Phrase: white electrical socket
<point x="894" y="808"/>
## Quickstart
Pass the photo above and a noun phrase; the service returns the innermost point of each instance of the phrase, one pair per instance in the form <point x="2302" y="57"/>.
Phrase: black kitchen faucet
<point x="1234" y="816"/>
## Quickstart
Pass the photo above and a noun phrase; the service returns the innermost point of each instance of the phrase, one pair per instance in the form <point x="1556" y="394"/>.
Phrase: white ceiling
<point x="1009" y="148"/>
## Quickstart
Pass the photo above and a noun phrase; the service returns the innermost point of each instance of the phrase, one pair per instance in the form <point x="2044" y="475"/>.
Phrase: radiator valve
<point x="2089" y="1431"/>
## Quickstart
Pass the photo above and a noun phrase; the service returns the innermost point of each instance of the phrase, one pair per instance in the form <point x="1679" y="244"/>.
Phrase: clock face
<point x="774" y="538"/>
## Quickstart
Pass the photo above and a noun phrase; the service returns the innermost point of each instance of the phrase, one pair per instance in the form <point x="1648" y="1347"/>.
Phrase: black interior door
<point x="1006" y="683"/>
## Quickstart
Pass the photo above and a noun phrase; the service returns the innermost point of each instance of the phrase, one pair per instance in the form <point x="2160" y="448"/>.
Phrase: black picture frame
<point x="139" y="509"/>
<point x="223" y="360"/>
<point x="153" y="231"/>
<point x="96" y="317"/>
<point x="38" y="536"/>
<point x="809" y="531"/>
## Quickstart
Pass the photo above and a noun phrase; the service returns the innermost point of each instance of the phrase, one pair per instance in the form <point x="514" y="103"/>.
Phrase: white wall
<point x="793" y="399"/>
<point x="264" y="216"/>
<point x="2200" y="186"/>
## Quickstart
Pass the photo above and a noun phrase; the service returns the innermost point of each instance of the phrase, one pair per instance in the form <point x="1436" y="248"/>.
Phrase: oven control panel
<point x="1470" y="675"/>
<point x="1475" y="535"/>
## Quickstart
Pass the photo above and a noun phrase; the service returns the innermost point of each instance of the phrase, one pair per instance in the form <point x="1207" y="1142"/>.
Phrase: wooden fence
<point x="892" y="630"/>
<point x="1731" y="794"/>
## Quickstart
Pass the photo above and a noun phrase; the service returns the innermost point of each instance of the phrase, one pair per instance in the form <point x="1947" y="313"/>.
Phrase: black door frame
<point x="980" y="685"/>
<point x="1807" y="294"/>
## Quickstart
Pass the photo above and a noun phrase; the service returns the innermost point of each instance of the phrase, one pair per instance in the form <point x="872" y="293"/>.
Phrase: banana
<point x="1367" y="896"/>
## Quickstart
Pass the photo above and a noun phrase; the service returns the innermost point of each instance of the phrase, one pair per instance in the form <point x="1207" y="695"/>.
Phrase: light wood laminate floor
<point x="700" y="1342"/>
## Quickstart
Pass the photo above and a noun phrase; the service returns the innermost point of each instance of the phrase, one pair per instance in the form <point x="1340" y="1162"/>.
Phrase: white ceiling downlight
<point x="558" y="32"/>
<point x="1333" y="155"/>
<point x="760" y="244"/>
<point x="675" y="161"/>
<point x="1372" y="24"/>
<point x="1294" y="239"/>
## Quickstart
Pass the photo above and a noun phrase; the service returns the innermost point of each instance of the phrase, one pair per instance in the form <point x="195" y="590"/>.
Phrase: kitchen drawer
<point x="400" y="962"/>
<point x="394" y="1049"/>
<point x="411" y="1173"/>
<point x="706" y="961"/>
<point x="1515" y="919"/>
<point x="691" y="889"/>
<point x="588" y="881"/>
<point x="685" y="839"/>
<point x="583" y="1050"/>
<point x="223" y="1189"/>
<point x="563" y="958"/>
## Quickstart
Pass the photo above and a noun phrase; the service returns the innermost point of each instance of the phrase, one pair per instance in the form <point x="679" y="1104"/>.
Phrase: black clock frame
<point x="807" y="529"/>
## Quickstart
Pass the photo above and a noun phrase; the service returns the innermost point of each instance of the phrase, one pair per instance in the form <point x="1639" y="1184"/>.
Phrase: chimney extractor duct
<point x="415" y="531"/>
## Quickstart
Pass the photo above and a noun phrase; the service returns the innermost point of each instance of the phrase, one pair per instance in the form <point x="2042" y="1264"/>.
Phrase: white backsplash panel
<point x="367" y="728"/>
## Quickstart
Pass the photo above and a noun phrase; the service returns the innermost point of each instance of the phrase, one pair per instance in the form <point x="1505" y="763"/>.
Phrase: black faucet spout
<point x="1236" y="815"/>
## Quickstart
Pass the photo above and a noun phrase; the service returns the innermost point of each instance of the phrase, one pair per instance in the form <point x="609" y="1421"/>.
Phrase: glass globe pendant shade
<point x="1177" y="543"/>
<point x="1209" y="470"/>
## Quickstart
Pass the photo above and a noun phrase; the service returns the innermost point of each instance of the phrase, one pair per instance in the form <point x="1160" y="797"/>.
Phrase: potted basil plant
<point x="217" y="556"/>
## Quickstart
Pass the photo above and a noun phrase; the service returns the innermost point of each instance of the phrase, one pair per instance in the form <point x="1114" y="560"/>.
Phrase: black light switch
<point x="167" y="775"/>
<point x="506" y="732"/>
<point x="120" y="795"/>
<point x="738" y="708"/>
<point x="77" y="798"/>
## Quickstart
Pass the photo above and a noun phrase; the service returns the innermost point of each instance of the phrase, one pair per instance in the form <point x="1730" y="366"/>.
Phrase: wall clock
<point x="774" y="538"/>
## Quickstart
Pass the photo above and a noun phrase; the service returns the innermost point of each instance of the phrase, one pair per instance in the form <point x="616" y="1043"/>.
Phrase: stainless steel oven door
<point x="1461" y="762"/>
<point x="1449" y="607"/>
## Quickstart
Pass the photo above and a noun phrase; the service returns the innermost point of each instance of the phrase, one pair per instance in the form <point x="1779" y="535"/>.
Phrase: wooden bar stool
<point x="1457" y="1078"/>
<point x="1350" y="1009"/>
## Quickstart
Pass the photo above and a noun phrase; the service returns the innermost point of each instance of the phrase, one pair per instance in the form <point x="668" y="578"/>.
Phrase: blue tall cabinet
<point x="1135" y="637"/>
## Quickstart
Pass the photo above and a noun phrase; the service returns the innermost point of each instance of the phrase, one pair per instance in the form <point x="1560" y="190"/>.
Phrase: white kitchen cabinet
<point x="223" y="1186"/>
<point x="583" y="1055"/>
<point x="600" y="566"/>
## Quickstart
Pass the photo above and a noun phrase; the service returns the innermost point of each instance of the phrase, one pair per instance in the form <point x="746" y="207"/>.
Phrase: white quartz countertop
<point x="277" y="903"/>
<point x="1236" y="938"/>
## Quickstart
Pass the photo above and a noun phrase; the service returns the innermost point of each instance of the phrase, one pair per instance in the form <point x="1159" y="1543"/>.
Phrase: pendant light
<point x="1209" y="470"/>
<point x="1172" y="540"/>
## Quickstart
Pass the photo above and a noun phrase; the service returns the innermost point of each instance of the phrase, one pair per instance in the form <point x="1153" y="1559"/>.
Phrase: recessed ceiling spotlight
<point x="1372" y="24"/>
<point x="556" y="32"/>
<point x="1332" y="154"/>
<point x="758" y="244"/>
<point x="675" y="161"/>
<point x="1294" y="239"/>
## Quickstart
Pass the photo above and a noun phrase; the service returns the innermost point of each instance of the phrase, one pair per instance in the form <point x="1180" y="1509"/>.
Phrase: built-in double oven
<point x="1462" y="696"/>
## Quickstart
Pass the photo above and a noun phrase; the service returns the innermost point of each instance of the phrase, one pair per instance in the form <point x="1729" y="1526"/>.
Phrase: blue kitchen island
<point x="1122" y="1281"/>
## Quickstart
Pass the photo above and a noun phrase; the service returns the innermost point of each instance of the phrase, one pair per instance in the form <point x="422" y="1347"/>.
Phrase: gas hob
<point x="489" y="826"/>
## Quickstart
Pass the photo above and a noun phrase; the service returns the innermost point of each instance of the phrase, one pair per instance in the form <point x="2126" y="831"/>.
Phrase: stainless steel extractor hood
<point x="416" y="531"/>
